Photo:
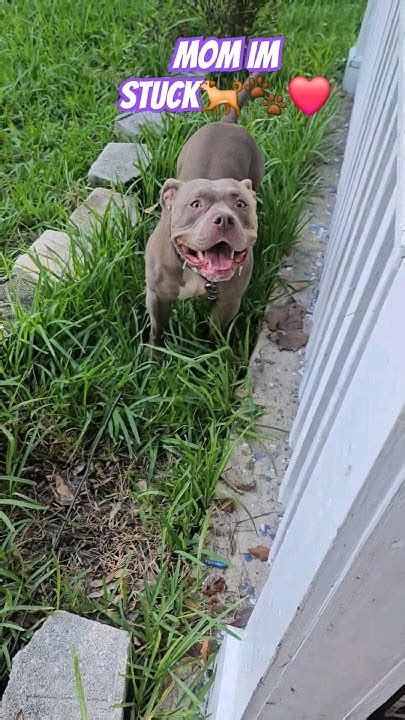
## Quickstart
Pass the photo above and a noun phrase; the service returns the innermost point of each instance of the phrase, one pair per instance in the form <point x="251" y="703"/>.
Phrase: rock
<point x="117" y="164"/>
<point x="43" y="683"/>
<point x="129" y="125"/>
<point x="89" y="214"/>
<point x="52" y="251"/>
<point x="14" y="290"/>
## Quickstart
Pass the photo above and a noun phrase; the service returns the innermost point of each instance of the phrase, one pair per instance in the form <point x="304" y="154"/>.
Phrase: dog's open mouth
<point x="217" y="260"/>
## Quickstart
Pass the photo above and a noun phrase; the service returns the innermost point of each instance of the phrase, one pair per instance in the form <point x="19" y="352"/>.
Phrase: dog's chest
<point x="193" y="285"/>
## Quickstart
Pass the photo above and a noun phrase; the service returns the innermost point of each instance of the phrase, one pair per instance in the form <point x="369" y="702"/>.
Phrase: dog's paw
<point x="256" y="87"/>
<point x="274" y="104"/>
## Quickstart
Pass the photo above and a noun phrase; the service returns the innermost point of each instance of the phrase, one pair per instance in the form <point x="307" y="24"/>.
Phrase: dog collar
<point x="211" y="287"/>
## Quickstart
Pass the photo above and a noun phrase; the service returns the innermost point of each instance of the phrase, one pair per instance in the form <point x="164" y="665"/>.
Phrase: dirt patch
<point x="101" y="538"/>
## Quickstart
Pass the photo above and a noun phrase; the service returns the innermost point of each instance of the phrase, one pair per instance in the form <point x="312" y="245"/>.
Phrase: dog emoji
<point x="218" y="97"/>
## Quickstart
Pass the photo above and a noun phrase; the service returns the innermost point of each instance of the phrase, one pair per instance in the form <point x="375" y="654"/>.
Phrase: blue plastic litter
<point x="216" y="563"/>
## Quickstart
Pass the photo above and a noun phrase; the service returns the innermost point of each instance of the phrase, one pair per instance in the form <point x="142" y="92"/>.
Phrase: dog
<point x="202" y="244"/>
<point x="218" y="97"/>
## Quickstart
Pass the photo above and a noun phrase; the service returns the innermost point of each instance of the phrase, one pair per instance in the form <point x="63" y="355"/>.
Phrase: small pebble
<point x="257" y="456"/>
<point x="266" y="531"/>
<point x="318" y="230"/>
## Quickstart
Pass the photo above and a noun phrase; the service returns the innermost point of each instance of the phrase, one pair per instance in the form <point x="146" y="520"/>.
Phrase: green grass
<point x="75" y="379"/>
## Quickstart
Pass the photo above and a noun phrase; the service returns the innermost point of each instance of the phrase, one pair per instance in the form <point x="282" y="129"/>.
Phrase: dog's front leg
<point x="224" y="311"/>
<point x="159" y="311"/>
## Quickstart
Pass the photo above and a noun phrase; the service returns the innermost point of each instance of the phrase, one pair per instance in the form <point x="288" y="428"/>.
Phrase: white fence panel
<point x="326" y="638"/>
<point x="364" y="250"/>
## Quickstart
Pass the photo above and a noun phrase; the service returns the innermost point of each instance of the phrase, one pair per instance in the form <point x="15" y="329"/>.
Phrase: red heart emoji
<point x="309" y="95"/>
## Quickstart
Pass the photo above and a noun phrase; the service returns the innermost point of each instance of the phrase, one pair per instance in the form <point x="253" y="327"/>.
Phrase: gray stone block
<point x="42" y="683"/>
<point x="128" y="125"/>
<point x="15" y="290"/>
<point x="117" y="164"/>
<point x="89" y="215"/>
<point x="51" y="251"/>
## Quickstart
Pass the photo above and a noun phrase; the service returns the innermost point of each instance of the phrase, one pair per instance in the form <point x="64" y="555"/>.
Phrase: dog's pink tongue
<point x="219" y="257"/>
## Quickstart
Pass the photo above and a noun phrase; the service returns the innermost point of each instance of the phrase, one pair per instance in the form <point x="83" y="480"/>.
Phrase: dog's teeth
<point x="200" y="255"/>
<point x="184" y="264"/>
<point x="240" y="270"/>
<point x="232" y="254"/>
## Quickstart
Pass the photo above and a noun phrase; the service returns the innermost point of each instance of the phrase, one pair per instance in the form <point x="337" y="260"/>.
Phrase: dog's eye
<point x="196" y="204"/>
<point x="241" y="204"/>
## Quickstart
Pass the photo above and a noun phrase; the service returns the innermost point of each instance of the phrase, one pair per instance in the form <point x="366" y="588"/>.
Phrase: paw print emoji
<point x="256" y="87"/>
<point x="274" y="104"/>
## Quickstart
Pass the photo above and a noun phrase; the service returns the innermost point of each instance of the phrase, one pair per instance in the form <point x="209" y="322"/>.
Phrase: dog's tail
<point x="243" y="97"/>
<point x="237" y="85"/>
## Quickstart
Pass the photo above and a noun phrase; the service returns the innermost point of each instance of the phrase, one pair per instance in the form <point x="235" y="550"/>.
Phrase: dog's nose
<point x="223" y="220"/>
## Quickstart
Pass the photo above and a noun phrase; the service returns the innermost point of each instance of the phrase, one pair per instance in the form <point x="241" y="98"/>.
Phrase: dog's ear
<point x="211" y="83"/>
<point x="248" y="184"/>
<point x="168" y="192"/>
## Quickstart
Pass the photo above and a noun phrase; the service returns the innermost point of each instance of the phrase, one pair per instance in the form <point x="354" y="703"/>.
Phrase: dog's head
<point x="212" y="223"/>
<point x="207" y="84"/>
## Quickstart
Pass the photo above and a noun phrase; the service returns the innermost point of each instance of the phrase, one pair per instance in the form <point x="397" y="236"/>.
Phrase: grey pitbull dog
<point x="202" y="245"/>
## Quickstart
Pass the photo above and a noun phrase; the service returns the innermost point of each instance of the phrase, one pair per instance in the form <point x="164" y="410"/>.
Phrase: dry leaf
<point x="79" y="468"/>
<point x="64" y="493"/>
<point x="291" y="324"/>
<point x="204" y="650"/>
<point x="246" y="488"/>
<point x="242" y="616"/>
<point x="186" y="660"/>
<point x="46" y="423"/>
<point x="227" y="505"/>
<point x="241" y="392"/>
<point x="297" y="286"/>
<point x="194" y="651"/>
<point x="217" y="585"/>
<point x="25" y="619"/>
<point x="191" y="604"/>
<point x="261" y="552"/>
<point x="216" y="607"/>
<point x="282" y="317"/>
<point x="114" y="575"/>
<point x="99" y="593"/>
<point x="288" y="321"/>
<point x="292" y="340"/>
<point x="96" y="583"/>
<point x="207" y="648"/>
<point x="276" y="317"/>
